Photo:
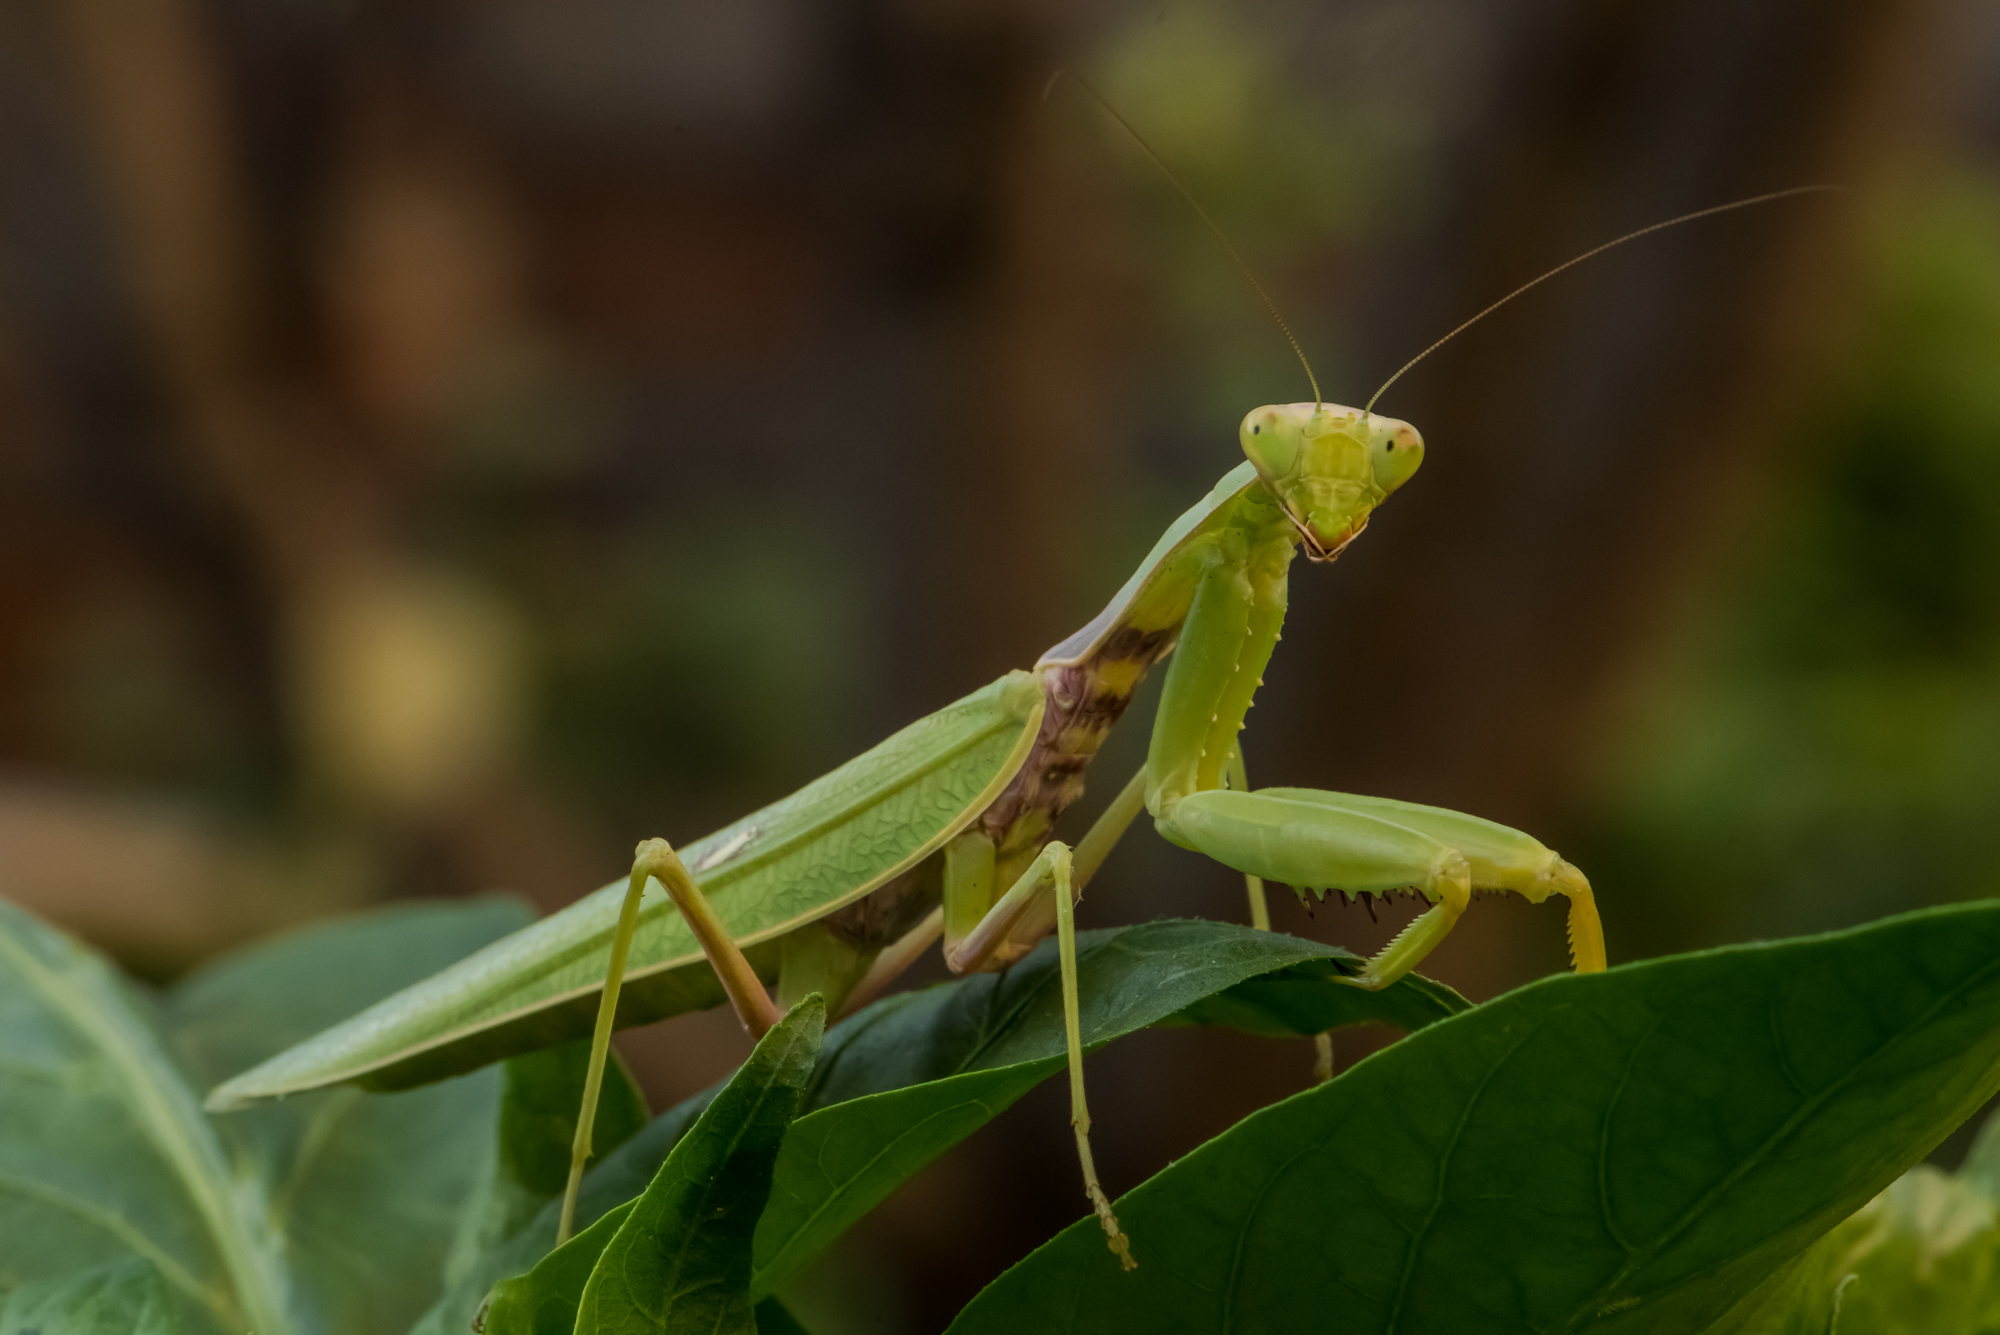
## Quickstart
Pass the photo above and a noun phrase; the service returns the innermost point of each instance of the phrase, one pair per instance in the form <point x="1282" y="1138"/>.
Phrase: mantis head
<point x="1329" y="467"/>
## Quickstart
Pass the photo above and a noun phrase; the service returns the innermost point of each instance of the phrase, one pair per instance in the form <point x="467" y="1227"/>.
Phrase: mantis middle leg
<point x="978" y="928"/>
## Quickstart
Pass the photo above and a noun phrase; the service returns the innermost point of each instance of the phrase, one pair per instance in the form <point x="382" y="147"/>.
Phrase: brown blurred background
<point x="442" y="443"/>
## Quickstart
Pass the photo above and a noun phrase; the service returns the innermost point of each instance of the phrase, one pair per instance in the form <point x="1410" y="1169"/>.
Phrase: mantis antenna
<point x="1589" y="254"/>
<point x="1201" y="213"/>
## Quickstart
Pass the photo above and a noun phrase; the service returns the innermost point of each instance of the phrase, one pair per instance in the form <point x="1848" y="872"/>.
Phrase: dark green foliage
<point x="774" y="1319"/>
<point x="1634" y="1150"/>
<point x="540" y="1097"/>
<point x="917" y="1072"/>
<point x="678" y="1257"/>
<point x="1680" y="1145"/>
<point x="681" y="1259"/>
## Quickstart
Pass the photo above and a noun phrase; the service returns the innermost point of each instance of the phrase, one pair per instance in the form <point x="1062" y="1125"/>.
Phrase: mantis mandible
<point x="945" y="829"/>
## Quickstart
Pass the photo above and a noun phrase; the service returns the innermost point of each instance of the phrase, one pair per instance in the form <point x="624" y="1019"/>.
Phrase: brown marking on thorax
<point x="1084" y="701"/>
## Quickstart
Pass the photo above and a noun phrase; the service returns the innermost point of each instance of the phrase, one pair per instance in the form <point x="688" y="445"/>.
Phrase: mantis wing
<point x="795" y="861"/>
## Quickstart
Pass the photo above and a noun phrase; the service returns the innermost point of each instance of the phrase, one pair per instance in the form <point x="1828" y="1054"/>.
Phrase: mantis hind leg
<point x="655" y="859"/>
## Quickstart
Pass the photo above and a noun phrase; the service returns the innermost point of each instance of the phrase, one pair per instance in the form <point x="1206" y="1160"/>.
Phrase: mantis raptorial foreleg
<point x="1319" y="847"/>
<point x="1499" y="858"/>
<point x="1309" y="839"/>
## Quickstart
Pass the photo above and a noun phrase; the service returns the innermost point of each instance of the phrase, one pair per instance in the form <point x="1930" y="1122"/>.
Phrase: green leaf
<point x="104" y="1152"/>
<point x="328" y="1214"/>
<point x="774" y="1318"/>
<point x="544" y="1301"/>
<point x="915" y="1073"/>
<point x="1303" y="999"/>
<point x="681" y="1259"/>
<point x="964" y="1053"/>
<point x="126" y="1297"/>
<point x="720" y="1170"/>
<point x="1631" y="1150"/>
<point x="364" y="1192"/>
<point x="1923" y="1258"/>
<point x="542" y="1095"/>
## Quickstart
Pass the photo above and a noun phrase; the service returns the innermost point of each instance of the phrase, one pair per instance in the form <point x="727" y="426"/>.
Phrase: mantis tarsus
<point x="945" y="829"/>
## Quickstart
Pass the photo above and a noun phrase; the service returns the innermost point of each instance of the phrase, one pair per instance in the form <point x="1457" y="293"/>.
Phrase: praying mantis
<point x="944" y="831"/>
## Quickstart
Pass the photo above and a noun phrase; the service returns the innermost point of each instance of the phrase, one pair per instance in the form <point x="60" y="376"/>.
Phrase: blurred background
<point x="442" y="443"/>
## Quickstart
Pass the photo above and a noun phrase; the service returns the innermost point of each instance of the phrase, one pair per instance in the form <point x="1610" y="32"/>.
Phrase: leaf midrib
<point x="1645" y="1254"/>
<point x="185" y="1145"/>
<point x="122" y="1229"/>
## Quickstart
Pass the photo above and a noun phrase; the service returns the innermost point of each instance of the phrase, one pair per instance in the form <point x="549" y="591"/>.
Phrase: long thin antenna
<point x="1595" y="251"/>
<point x="1201" y="213"/>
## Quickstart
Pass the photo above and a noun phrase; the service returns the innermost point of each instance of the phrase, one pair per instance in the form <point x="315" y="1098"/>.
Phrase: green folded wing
<point x="796" y="860"/>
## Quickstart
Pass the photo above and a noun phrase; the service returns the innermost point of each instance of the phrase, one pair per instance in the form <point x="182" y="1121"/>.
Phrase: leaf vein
<point x="1444" y="1165"/>
<point x="1806" y="1107"/>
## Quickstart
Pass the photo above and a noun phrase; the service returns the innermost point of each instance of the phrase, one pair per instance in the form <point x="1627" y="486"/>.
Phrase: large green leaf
<point x="321" y="1215"/>
<point x="1626" y="1151"/>
<point x="127" y="1297"/>
<point x="363" y="1193"/>
<point x="1923" y="1258"/>
<point x="958" y="1056"/>
<point x="678" y="1257"/>
<point x="915" y="1073"/>
<point x="104" y="1150"/>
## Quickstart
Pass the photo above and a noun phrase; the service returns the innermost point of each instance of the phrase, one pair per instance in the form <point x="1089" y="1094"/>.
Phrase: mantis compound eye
<point x="1398" y="452"/>
<point x="1268" y="444"/>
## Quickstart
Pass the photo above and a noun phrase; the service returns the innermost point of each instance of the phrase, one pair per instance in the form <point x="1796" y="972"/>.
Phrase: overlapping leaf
<point x="678" y="1257"/>
<point x="329" y="1214"/>
<point x="1628" y="1151"/>
<point x="917" y="1072"/>
<point x="126" y="1297"/>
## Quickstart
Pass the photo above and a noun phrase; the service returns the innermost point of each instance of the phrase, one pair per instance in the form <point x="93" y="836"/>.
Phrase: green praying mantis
<point x="945" y="830"/>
